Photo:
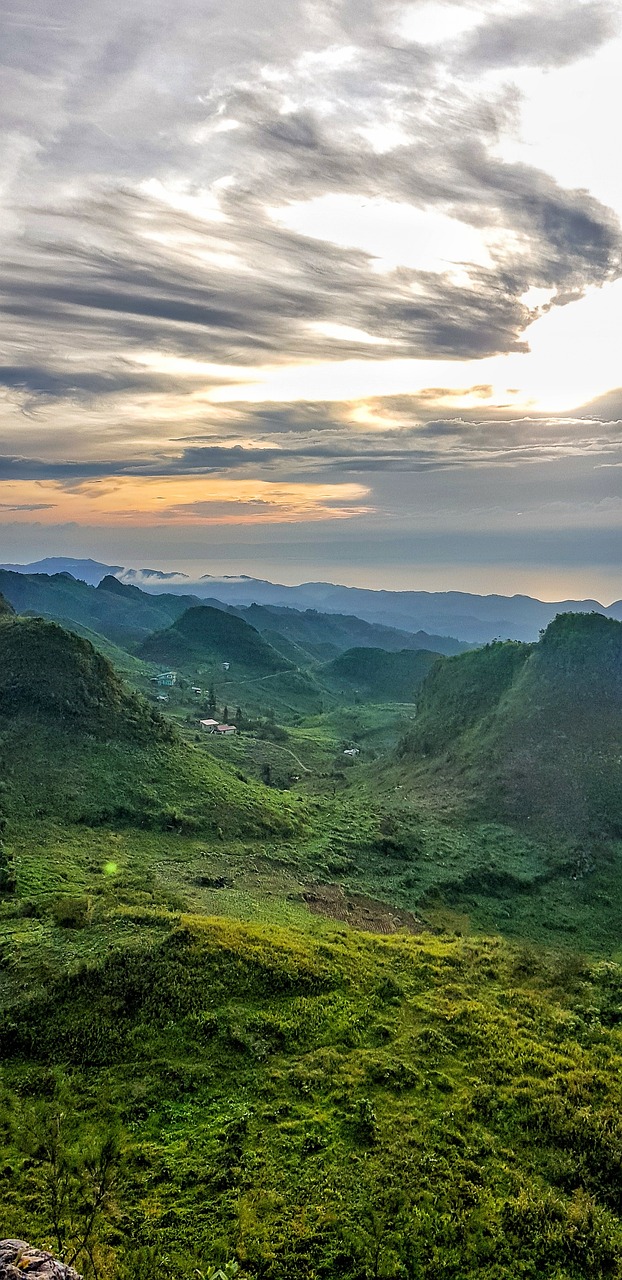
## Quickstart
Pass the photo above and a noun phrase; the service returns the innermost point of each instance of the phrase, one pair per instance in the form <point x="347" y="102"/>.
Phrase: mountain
<point x="123" y="614"/>
<point x="59" y="677"/>
<point x="324" y="635"/>
<point x="471" y="618"/>
<point x="203" y="634"/>
<point x="443" y="615"/>
<point x="79" y="748"/>
<point x="378" y="675"/>
<point x="535" y="729"/>
<point x="91" y="571"/>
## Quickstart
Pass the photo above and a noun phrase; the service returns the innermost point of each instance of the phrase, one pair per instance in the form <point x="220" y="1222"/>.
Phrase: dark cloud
<point x="37" y="380"/>
<point x="145" y="153"/>
<point x="543" y="36"/>
<point x="26" y="506"/>
<point x="105" y="264"/>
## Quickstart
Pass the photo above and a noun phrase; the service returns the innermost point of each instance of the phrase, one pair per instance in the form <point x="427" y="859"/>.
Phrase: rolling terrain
<point x="538" y="728"/>
<point x="378" y="675"/>
<point x="361" y="1018"/>
<point x="465" y="616"/>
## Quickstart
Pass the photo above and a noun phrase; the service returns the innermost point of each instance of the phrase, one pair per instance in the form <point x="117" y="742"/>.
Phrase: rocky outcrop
<point x="17" y="1259"/>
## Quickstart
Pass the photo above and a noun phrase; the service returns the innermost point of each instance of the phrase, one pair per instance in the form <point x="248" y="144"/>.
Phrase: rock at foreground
<point x="17" y="1259"/>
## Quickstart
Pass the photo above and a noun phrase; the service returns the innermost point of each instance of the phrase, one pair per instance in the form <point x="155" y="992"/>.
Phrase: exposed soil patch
<point x="359" y="911"/>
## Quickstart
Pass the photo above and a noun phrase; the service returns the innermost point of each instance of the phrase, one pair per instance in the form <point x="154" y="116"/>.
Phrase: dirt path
<point x="277" y="747"/>
<point x="360" y="911"/>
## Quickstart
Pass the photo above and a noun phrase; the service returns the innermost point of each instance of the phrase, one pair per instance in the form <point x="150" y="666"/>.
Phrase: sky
<point x="315" y="289"/>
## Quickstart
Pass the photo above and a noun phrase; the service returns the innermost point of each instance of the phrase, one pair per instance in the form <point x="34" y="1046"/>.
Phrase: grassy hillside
<point x="122" y="613"/>
<point x="203" y="1060"/>
<point x="57" y="677"/>
<point x="324" y="635"/>
<point x="537" y="730"/>
<point x="203" y="635"/>
<point x="77" y="744"/>
<point x="378" y="675"/>
<point x="321" y="1107"/>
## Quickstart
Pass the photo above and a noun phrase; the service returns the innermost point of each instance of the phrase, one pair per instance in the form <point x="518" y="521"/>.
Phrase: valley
<point x="341" y="990"/>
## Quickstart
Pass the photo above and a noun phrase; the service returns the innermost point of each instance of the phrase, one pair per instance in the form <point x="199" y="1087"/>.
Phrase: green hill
<point x="59" y="677"/>
<point x="123" y="614"/>
<point x="203" y="635"/>
<point x="535" y="729"/>
<point x="77" y="744"/>
<point x="380" y="676"/>
<point x="339" y="1106"/>
<point x="324" y="635"/>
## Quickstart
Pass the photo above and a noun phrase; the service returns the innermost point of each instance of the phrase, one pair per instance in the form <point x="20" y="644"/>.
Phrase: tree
<point x="79" y="1174"/>
<point x="225" y="715"/>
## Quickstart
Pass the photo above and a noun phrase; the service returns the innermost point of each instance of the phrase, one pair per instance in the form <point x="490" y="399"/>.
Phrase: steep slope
<point x="378" y="675"/>
<point x="76" y="745"/>
<point x="324" y="635"/>
<point x="204" y="635"/>
<point x="57" y="676"/>
<point x="538" y="729"/>
<point x="122" y="613"/>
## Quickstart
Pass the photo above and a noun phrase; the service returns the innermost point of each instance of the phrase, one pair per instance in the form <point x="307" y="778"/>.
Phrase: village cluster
<point x="167" y="679"/>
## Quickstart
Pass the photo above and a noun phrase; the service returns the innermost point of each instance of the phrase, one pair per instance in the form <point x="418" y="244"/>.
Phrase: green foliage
<point x="58" y="677"/>
<point x="71" y="913"/>
<point x="191" y="1095"/>
<point x="536" y="730"/>
<point x="203" y="634"/>
<point x="379" y="675"/>
<point x="460" y="691"/>
<point x="325" y="1107"/>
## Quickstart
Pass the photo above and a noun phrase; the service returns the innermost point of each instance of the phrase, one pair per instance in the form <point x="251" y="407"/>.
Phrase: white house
<point x="351" y="751"/>
<point x="225" y="666"/>
<point x="167" y="678"/>
<point x="209" y="725"/>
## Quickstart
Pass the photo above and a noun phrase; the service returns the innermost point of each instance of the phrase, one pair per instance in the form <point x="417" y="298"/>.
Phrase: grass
<point x="281" y="1089"/>
<point x="332" y="1106"/>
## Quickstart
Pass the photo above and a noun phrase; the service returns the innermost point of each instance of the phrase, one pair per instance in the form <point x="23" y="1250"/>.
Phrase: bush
<point x="71" y="913"/>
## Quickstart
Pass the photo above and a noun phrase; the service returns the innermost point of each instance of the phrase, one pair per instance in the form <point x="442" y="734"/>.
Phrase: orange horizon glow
<point x="179" y="500"/>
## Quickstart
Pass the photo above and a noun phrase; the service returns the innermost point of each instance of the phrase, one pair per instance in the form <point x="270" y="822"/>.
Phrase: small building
<point x="209" y="726"/>
<point x="166" y="678"/>
<point x="195" y="690"/>
<point x="351" y="751"/>
<point x="162" y="697"/>
<point x="226" y="728"/>
<point x="225" y="666"/>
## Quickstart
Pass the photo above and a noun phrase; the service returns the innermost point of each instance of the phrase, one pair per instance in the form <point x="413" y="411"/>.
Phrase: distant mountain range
<point x="126" y="615"/>
<point x="467" y="617"/>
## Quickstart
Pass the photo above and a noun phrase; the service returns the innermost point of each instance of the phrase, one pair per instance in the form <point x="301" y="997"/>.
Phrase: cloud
<point x="193" y="261"/>
<point x="148" y="160"/>
<point x="26" y="506"/>
<point x="541" y="37"/>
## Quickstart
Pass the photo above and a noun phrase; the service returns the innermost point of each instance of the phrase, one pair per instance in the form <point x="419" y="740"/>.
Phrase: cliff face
<point x="17" y="1259"/>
